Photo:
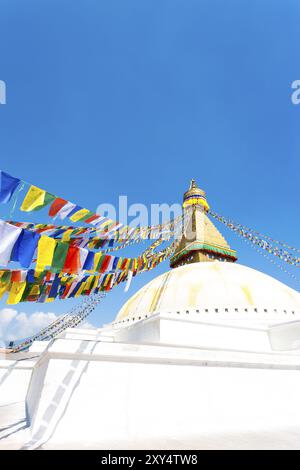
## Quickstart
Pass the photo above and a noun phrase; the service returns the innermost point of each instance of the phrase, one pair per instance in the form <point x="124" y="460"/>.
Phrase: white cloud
<point x="16" y="325"/>
<point x="87" y="325"/>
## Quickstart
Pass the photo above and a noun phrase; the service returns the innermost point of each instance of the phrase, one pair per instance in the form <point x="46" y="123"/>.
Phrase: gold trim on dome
<point x="159" y="293"/>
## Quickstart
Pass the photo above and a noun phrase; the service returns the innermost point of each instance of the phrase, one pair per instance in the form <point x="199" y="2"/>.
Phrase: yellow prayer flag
<point x="108" y="278"/>
<point x="127" y="264"/>
<point x="104" y="224"/>
<point x="78" y="293"/>
<point x="79" y="215"/>
<point x="3" y="289"/>
<point x="35" y="290"/>
<point x="89" y="281"/>
<point x="16" y="292"/>
<point x="34" y="198"/>
<point x="67" y="234"/>
<point x="96" y="260"/>
<point x="96" y="281"/>
<point x="46" y="247"/>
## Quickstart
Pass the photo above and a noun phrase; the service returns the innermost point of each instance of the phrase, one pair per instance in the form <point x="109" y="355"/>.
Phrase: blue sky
<point x="112" y="97"/>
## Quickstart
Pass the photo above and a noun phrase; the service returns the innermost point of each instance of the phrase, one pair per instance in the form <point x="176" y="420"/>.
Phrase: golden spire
<point x="201" y="240"/>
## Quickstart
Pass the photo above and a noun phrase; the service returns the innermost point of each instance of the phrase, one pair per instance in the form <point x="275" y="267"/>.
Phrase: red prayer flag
<point x="16" y="276"/>
<point x="124" y="263"/>
<point x="105" y="264"/>
<point x="56" y="205"/>
<point x="92" y="218"/>
<point x="66" y="291"/>
<point x="72" y="262"/>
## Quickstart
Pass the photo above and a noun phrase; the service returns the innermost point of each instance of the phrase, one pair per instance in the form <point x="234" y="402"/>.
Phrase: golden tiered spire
<point x="201" y="240"/>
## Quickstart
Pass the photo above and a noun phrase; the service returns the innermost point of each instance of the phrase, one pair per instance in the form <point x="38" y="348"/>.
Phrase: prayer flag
<point x="129" y="279"/>
<point x="54" y="287"/>
<point x="66" y="210"/>
<point x="3" y="289"/>
<point x="74" y="210"/>
<point x="89" y="262"/>
<point x="105" y="263"/>
<point x="56" y="206"/>
<point x="8" y="237"/>
<point x="36" y="199"/>
<point x="91" y="219"/>
<point x="16" y="292"/>
<point x="8" y="185"/>
<point x="46" y="247"/>
<point x="83" y="253"/>
<point x="59" y="257"/>
<point x="25" y="247"/>
<point x="72" y="263"/>
<point x="67" y="235"/>
<point x="79" y="215"/>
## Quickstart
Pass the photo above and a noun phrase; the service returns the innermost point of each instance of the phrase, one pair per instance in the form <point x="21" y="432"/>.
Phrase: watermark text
<point x="295" y="96"/>
<point x="2" y="92"/>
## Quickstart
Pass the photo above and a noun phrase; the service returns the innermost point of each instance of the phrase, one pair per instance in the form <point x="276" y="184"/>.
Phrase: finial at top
<point x="193" y="184"/>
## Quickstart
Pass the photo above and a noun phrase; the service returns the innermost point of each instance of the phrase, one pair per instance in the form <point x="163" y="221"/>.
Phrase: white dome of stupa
<point x="214" y="288"/>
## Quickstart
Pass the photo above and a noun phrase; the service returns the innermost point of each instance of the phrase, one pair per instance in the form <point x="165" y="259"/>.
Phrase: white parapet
<point x="164" y="382"/>
<point x="190" y="331"/>
<point x="154" y="394"/>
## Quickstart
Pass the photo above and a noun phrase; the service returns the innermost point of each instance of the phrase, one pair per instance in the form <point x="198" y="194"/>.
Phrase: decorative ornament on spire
<point x="193" y="184"/>
<point x="195" y="196"/>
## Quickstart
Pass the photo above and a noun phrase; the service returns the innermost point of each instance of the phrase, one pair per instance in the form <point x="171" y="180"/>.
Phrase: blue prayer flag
<point x="8" y="185"/>
<point x="25" y="247"/>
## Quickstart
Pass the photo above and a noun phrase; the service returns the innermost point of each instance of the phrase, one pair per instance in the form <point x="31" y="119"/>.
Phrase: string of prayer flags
<point x="257" y="240"/>
<point x="45" y="286"/>
<point x="8" y="185"/>
<point x="37" y="198"/>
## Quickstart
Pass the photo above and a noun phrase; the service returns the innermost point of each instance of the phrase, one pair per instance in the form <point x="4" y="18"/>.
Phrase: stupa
<point x="204" y="356"/>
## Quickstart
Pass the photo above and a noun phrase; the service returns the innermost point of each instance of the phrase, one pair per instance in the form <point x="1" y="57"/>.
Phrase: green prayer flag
<point x="48" y="199"/>
<point x="100" y="262"/>
<point x="59" y="256"/>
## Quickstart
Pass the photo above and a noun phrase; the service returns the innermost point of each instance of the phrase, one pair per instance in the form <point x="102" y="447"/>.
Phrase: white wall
<point x="14" y="381"/>
<point x="127" y="399"/>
